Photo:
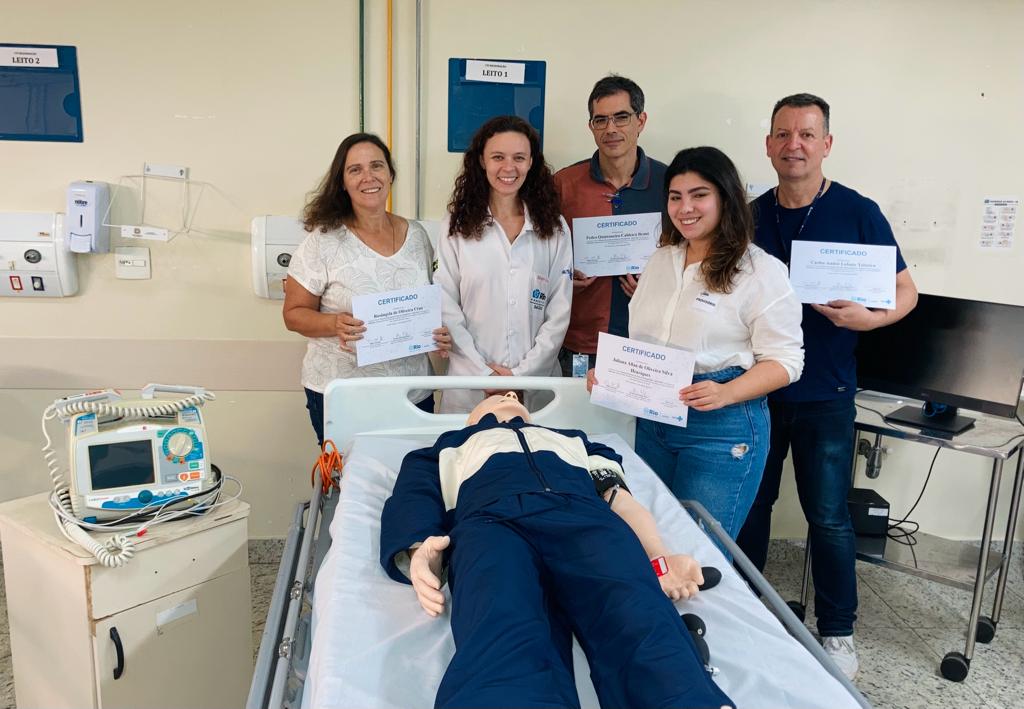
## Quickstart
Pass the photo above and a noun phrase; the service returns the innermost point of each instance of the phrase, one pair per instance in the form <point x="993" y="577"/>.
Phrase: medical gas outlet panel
<point x="35" y="260"/>
<point x="274" y="240"/>
<point x="138" y="466"/>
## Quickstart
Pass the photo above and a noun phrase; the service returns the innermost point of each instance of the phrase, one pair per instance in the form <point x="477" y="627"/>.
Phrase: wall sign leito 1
<point x="479" y="89"/>
<point x="39" y="94"/>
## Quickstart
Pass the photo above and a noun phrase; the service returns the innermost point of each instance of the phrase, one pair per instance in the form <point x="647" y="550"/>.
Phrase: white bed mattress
<point x="373" y="646"/>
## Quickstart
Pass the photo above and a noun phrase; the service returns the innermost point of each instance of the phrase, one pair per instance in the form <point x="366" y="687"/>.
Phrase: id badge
<point x="580" y="365"/>
<point x="706" y="301"/>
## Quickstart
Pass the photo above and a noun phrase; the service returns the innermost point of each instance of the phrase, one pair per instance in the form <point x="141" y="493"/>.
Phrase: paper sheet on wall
<point x="998" y="222"/>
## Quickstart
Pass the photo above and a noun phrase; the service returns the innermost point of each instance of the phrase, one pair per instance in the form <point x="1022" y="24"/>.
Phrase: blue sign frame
<point x="41" y="103"/>
<point x="472" y="103"/>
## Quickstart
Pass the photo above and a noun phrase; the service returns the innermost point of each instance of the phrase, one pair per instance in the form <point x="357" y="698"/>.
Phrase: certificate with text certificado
<point x="398" y="323"/>
<point x="863" y="273"/>
<point x="642" y="379"/>
<point x="615" y="245"/>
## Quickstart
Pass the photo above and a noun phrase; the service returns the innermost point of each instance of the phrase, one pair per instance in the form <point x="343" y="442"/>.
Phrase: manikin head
<point x="504" y="406"/>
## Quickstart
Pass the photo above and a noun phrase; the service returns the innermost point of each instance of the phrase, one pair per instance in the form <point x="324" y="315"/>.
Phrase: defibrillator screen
<point x="121" y="464"/>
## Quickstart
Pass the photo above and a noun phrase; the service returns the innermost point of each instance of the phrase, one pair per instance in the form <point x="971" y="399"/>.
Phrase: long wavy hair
<point x="470" y="198"/>
<point x="735" y="230"/>
<point x="328" y="207"/>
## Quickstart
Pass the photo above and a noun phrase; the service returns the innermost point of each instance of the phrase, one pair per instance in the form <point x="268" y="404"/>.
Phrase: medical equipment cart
<point x="957" y="564"/>
<point x="171" y="628"/>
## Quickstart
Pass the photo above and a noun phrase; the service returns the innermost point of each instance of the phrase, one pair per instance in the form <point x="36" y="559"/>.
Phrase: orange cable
<point x="327" y="463"/>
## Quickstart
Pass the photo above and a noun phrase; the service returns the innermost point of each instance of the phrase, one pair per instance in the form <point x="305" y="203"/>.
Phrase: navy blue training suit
<point x="535" y="552"/>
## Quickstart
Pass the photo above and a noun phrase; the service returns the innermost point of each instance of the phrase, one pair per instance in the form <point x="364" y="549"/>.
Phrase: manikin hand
<point x="683" y="577"/>
<point x="425" y="572"/>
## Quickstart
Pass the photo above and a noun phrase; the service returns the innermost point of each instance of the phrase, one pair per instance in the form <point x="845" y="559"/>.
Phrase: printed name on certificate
<point x="398" y="323"/>
<point x="642" y="379"/>
<point x="616" y="245"/>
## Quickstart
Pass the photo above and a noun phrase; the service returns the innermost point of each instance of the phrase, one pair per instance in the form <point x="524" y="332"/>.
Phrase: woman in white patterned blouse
<point x="355" y="247"/>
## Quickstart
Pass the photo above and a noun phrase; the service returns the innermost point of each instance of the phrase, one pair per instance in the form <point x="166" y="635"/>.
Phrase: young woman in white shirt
<point x="355" y="247"/>
<point x="504" y="262"/>
<point x="709" y="289"/>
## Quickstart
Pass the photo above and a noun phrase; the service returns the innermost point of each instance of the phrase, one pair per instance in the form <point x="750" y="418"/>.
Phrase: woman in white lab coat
<point x="504" y="262"/>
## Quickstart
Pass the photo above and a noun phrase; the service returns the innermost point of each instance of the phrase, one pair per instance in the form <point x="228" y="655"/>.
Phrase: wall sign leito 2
<point x="39" y="95"/>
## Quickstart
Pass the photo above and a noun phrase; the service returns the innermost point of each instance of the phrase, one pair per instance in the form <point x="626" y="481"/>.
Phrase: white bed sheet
<point x="374" y="647"/>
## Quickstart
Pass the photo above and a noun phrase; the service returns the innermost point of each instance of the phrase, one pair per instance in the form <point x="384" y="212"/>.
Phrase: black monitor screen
<point x="957" y="352"/>
<point x="121" y="464"/>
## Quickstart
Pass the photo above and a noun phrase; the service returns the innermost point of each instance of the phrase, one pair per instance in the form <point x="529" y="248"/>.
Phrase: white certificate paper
<point x="863" y="273"/>
<point x="616" y="245"/>
<point x="642" y="379"/>
<point x="398" y="323"/>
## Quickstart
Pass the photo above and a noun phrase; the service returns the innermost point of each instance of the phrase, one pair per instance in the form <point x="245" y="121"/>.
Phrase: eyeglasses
<point x="619" y="119"/>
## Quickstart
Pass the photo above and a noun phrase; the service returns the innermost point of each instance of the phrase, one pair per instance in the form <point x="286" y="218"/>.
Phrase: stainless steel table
<point x="945" y="561"/>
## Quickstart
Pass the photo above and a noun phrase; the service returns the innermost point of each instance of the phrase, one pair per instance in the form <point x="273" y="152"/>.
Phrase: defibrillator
<point x="131" y="464"/>
<point x="139" y="455"/>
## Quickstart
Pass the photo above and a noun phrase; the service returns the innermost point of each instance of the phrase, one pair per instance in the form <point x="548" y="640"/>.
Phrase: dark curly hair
<point x="329" y="206"/>
<point x="735" y="230"/>
<point x="470" y="198"/>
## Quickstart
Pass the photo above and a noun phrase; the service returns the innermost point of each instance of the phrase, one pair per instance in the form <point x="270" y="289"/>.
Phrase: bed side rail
<point x="259" y="690"/>
<point x="270" y="676"/>
<point x="793" y="624"/>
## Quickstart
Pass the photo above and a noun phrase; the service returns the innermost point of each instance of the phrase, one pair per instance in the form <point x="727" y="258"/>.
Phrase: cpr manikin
<point x="539" y="538"/>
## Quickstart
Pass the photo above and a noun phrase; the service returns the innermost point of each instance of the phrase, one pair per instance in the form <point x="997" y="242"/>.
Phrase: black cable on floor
<point x="902" y="535"/>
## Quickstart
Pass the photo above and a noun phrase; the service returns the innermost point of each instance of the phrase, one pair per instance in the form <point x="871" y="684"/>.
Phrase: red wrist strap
<point x="659" y="565"/>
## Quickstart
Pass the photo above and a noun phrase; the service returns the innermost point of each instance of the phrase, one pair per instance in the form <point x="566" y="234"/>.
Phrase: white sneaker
<point x="842" y="652"/>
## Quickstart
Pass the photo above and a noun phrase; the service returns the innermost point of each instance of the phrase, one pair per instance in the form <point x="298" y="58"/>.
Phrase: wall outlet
<point x="155" y="169"/>
<point x="132" y="262"/>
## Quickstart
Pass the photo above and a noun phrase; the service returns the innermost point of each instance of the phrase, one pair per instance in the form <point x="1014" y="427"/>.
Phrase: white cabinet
<point x="171" y="628"/>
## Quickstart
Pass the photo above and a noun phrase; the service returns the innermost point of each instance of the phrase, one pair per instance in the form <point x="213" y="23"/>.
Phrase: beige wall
<point x="254" y="97"/>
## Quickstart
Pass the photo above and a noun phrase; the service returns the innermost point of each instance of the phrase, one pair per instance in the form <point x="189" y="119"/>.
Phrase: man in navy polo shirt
<point x="617" y="179"/>
<point x="815" y="415"/>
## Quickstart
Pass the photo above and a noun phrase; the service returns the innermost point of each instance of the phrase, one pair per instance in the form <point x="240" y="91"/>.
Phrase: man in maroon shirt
<point x="617" y="179"/>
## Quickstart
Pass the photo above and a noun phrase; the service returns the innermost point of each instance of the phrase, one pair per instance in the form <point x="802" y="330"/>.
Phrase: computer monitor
<point x="950" y="353"/>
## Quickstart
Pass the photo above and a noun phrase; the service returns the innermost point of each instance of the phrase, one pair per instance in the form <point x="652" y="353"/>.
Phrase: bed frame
<point x="380" y="407"/>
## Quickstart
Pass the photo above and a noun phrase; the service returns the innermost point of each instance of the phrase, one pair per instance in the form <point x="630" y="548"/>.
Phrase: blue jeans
<point x="315" y="406"/>
<point x="717" y="459"/>
<point x="821" y="435"/>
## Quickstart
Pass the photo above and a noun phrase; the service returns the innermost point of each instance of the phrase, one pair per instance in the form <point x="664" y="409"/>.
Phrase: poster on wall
<point x="998" y="222"/>
<point x="39" y="93"/>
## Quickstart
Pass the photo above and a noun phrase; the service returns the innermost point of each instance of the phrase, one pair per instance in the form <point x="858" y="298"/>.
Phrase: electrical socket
<point x="155" y="169"/>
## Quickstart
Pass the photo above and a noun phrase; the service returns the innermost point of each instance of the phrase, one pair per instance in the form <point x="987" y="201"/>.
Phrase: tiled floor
<point x="905" y="626"/>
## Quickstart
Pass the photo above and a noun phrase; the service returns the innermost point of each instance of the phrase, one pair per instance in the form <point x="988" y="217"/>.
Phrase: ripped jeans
<point x="718" y="459"/>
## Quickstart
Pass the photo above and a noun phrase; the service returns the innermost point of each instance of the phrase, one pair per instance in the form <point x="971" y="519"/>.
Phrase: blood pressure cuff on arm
<point x="605" y="479"/>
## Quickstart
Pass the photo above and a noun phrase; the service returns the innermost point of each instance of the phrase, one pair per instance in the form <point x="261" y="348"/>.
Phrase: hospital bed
<point x="340" y="633"/>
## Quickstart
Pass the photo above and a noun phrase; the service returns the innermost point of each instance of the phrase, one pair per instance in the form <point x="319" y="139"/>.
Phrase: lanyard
<point x="803" y="223"/>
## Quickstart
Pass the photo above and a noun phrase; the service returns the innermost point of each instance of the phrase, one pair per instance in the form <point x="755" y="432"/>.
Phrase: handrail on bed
<point x="783" y="612"/>
<point x="269" y="685"/>
<point x="348" y="413"/>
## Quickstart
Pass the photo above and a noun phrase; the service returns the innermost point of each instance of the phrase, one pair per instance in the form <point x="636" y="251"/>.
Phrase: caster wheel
<point x="986" y="630"/>
<point x="798" y="608"/>
<point x="954" y="666"/>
